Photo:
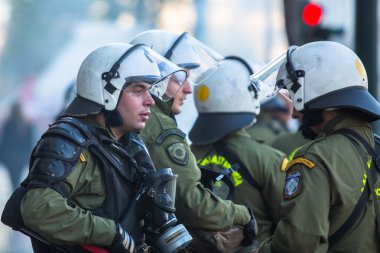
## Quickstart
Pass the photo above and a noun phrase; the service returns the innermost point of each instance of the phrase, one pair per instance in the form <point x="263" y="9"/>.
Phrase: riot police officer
<point x="82" y="180"/>
<point x="224" y="149"/>
<point x="330" y="198"/>
<point x="215" y="224"/>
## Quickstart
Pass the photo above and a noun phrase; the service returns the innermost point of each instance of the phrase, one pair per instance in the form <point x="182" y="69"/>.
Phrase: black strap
<point x="95" y="142"/>
<point x="368" y="189"/>
<point x="221" y="148"/>
<point x="210" y="176"/>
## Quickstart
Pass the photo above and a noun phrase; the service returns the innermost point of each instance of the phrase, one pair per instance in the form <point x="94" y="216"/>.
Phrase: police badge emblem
<point x="178" y="153"/>
<point x="292" y="185"/>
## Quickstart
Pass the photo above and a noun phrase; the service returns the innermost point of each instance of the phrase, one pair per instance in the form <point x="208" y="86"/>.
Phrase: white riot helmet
<point x="223" y="101"/>
<point x="183" y="50"/>
<point x="322" y="75"/>
<point x="110" y="68"/>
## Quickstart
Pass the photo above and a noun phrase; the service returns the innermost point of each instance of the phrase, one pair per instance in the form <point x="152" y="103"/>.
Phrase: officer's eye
<point x="137" y="89"/>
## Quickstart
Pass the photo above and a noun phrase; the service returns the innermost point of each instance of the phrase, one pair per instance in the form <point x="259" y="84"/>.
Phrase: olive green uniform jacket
<point x="264" y="167"/>
<point x="196" y="206"/>
<point x="289" y="143"/>
<point x="49" y="214"/>
<point x="324" y="183"/>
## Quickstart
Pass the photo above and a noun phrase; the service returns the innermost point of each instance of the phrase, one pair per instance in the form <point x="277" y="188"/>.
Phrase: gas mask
<point x="155" y="200"/>
<point x="157" y="207"/>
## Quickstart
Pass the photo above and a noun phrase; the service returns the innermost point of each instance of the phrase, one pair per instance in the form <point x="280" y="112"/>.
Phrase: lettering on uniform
<point x="292" y="185"/>
<point x="215" y="159"/>
<point x="178" y="153"/>
<point x="364" y="181"/>
<point x="299" y="160"/>
<point x="377" y="191"/>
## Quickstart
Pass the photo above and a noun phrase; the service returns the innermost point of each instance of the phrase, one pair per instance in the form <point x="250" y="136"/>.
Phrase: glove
<point x="250" y="229"/>
<point x="122" y="242"/>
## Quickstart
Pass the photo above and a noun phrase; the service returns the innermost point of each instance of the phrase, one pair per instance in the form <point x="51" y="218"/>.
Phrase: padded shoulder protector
<point x="58" y="150"/>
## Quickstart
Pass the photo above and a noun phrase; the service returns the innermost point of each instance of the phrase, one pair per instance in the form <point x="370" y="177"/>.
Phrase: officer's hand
<point x="250" y="230"/>
<point x="122" y="242"/>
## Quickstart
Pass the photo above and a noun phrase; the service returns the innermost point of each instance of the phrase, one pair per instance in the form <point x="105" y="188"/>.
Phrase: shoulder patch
<point x="300" y="160"/>
<point x="178" y="153"/>
<point x="293" y="185"/>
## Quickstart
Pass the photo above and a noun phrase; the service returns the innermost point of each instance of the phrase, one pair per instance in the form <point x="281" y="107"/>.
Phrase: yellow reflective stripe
<point x="365" y="175"/>
<point x="364" y="181"/>
<point x="82" y="158"/>
<point x="369" y="163"/>
<point x="238" y="179"/>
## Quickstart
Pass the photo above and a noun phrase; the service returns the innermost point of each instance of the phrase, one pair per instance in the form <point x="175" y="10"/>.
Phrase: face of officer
<point x="327" y="116"/>
<point x="181" y="95"/>
<point x="297" y="115"/>
<point x="134" y="108"/>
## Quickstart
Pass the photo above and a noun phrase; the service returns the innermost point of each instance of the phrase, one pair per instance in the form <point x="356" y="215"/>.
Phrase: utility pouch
<point x="219" y="182"/>
<point x="11" y="215"/>
<point x="226" y="241"/>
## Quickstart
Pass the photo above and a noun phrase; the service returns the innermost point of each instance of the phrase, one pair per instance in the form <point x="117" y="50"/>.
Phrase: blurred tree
<point x="199" y="29"/>
<point x="37" y="30"/>
<point x="147" y="12"/>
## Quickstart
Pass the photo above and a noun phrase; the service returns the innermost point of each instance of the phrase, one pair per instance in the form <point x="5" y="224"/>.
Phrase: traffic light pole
<point x="292" y="10"/>
<point x="366" y="43"/>
<point x="366" y="40"/>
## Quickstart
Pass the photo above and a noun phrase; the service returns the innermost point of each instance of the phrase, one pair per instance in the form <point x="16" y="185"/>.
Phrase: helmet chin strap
<point x="310" y="119"/>
<point x="113" y="118"/>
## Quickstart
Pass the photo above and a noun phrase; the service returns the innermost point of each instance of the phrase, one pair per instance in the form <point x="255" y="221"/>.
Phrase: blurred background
<point x="43" y="42"/>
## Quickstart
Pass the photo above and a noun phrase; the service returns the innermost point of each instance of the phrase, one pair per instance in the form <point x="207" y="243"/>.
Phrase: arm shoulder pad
<point x="57" y="151"/>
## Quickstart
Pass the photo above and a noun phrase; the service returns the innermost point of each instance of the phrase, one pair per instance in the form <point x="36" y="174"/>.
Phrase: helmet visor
<point x="264" y="80"/>
<point x="166" y="77"/>
<point x="168" y="86"/>
<point x="188" y="52"/>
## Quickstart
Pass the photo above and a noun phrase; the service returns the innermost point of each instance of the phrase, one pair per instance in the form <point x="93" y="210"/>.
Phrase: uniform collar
<point x="93" y="123"/>
<point x="345" y="120"/>
<point x="238" y="133"/>
<point x="165" y="107"/>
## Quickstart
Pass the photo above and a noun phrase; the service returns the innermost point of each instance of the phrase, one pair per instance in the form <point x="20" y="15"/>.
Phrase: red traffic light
<point x="312" y="14"/>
